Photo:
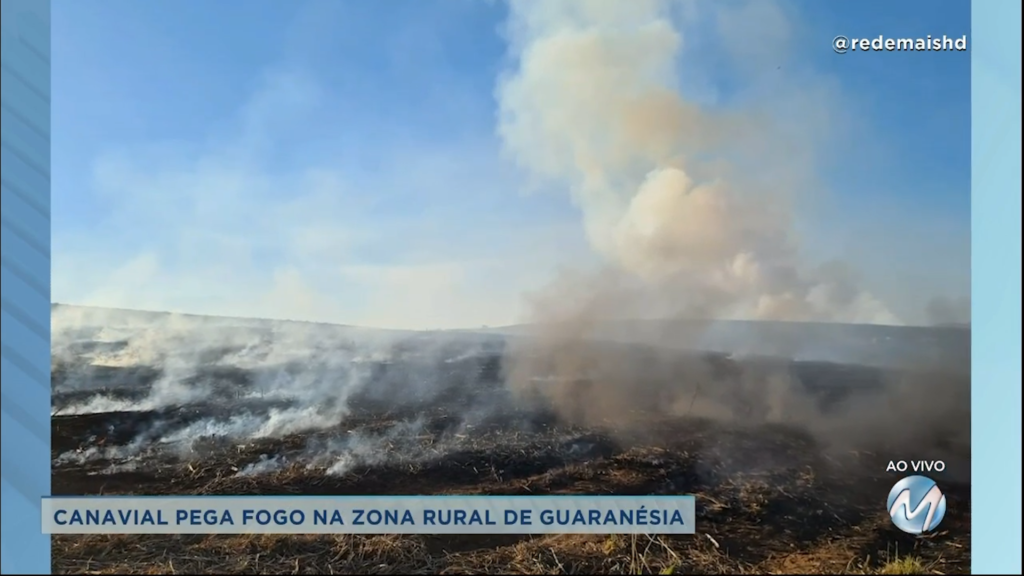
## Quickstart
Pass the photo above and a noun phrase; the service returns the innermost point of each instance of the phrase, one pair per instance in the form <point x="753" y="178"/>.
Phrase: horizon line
<point x="522" y="325"/>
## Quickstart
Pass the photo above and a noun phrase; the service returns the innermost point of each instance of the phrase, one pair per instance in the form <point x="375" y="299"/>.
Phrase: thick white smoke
<point x="250" y="381"/>
<point x="594" y="104"/>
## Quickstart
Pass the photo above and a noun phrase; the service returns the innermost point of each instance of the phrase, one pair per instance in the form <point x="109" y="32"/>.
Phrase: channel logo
<point x="916" y="505"/>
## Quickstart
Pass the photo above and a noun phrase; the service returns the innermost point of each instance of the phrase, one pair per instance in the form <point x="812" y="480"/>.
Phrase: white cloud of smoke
<point x="693" y="206"/>
<point x="594" y="104"/>
<point x="253" y="380"/>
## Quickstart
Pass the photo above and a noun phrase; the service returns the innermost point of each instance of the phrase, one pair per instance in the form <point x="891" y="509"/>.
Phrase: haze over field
<point x="285" y="378"/>
<point x="877" y="346"/>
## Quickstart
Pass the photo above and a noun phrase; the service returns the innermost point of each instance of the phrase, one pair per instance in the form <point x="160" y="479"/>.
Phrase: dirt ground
<point x="770" y="500"/>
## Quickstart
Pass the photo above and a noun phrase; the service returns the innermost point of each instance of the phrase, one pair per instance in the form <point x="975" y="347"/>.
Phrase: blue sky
<point x="339" y="160"/>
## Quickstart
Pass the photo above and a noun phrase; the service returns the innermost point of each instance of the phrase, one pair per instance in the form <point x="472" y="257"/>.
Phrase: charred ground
<point x="773" y="496"/>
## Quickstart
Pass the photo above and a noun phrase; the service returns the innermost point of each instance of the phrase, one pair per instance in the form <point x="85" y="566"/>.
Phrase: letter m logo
<point x="928" y="506"/>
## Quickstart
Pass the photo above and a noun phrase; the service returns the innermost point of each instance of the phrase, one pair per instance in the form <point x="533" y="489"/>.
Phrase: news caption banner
<point x="369" y="515"/>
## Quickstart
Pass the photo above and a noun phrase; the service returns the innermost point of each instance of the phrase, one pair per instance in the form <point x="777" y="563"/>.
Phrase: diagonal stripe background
<point x="25" y="283"/>
<point x="996" y="287"/>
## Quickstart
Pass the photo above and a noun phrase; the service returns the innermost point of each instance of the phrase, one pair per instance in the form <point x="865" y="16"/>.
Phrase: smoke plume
<point x="692" y="209"/>
<point x="949" y="311"/>
<point x="594" y="105"/>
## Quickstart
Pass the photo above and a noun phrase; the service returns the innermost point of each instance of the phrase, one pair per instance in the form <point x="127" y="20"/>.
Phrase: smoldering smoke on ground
<point x="363" y="401"/>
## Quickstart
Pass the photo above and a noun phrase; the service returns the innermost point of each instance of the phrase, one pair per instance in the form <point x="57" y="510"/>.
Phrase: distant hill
<point x="873" y="345"/>
<point x="97" y="315"/>
<point x="883" y="346"/>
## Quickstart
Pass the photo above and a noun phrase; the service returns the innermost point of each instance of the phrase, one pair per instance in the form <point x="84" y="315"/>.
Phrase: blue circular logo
<point x="916" y="505"/>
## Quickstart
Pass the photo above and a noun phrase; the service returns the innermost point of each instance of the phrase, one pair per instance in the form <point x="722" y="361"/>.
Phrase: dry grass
<point x="905" y="565"/>
<point x="796" y="516"/>
<point x="390" y="554"/>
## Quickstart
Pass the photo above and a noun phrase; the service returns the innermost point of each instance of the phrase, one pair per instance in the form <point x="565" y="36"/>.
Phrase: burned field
<point x="791" y="480"/>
